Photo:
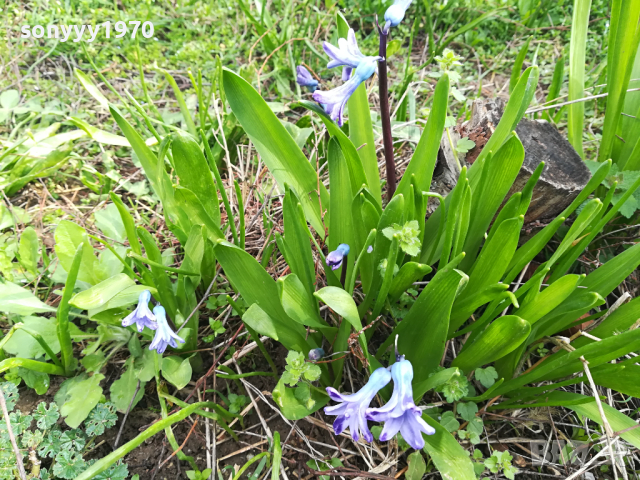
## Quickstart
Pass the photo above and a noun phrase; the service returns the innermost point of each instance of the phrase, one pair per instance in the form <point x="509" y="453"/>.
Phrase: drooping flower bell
<point x="164" y="335"/>
<point x="315" y="354"/>
<point x="395" y="13"/>
<point x="141" y="316"/>
<point x="334" y="259"/>
<point x="351" y="411"/>
<point x="346" y="54"/>
<point x="305" y="79"/>
<point x="400" y="413"/>
<point x="335" y="100"/>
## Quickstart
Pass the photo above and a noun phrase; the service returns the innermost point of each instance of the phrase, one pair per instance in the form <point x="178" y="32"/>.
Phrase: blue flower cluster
<point x="400" y="414"/>
<point x="143" y="317"/>
<point x="357" y="67"/>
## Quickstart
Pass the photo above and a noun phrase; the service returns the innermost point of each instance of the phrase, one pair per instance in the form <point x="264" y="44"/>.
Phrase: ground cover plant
<point x="277" y="245"/>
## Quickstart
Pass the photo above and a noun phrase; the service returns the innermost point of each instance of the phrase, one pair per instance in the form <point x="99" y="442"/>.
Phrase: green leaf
<point x="19" y="300"/>
<point x="501" y="337"/>
<point x="417" y="467"/>
<point x="194" y="173"/>
<point x="424" y="158"/>
<point x="39" y="381"/>
<point x="617" y="420"/>
<point x="100" y="294"/>
<point x="408" y="233"/>
<point x="102" y="417"/>
<point x="123" y="389"/>
<point x="144" y="367"/>
<point x="23" y="345"/>
<point x="342" y="303"/>
<point x="498" y="175"/>
<point x="451" y="460"/>
<point x="126" y="297"/>
<point x="28" y="250"/>
<point x="423" y="331"/>
<point x="549" y="298"/>
<point x="177" y="371"/>
<point x="78" y="398"/>
<point x="109" y="221"/>
<point x="298" y="245"/>
<point x="68" y="237"/>
<point x="517" y="65"/>
<point x="291" y="407"/>
<point x="486" y="376"/>
<point x="410" y="272"/>
<point x="9" y="99"/>
<point x="340" y="221"/>
<point x="287" y="332"/>
<point x="46" y="417"/>
<point x="297" y="303"/>
<point x="467" y="410"/>
<point x="91" y="87"/>
<point x="278" y="150"/>
<point x="361" y="134"/>
<point x="68" y="465"/>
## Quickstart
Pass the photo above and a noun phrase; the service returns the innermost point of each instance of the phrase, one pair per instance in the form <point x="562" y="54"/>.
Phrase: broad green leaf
<point x="577" y="64"/>
<point x="126" y="297"/>
<point x="503" y="336"/>
<point x="100" y="136"/>
<point x="357" y="173"/>
<point x="123" y="389"/>
<point x="361" y="135"/>
<point x="109" y="221"/>
<point x="98" y="295"/>
<point x="297" y="302"/>
<point x="194" y="173"/>
<point x="424" y="158"/>
<point x="423" y="331"/>
<point x="340" y="221"/>
<point x="498" y="175"/>
<point x="549" y="298"/>
<point x="278" y="150"/>
<point x="177" y="371"/>
<point x="19" y="300"/>
<point x="617" y="420"/>
<point x="342" y="303"/>
<point x="296" y="237"/>
<point x="166" y="294"/>
<point x="79" y="397"/>
<point x="562" y="364"/>
<point x="451" y="460"/>
<point x="23" y="345"/>
<point x="9" y="98"/>
<point x="189" y="204"/>
<point x="68" y="237"/>
<point x="624" y="37"/>
<point x="28" y="250"/>
<point x="466" y="304"/>
<point x="288" y="333"/>
<point x="39" y="381"/>
<point x="417" y="467"/>
<point x="495" y="256"/>
<point x="291" y="407"/>
<point x="621" y="377"/>
<point x="91" y="87"/>
<point x="410" y="272"/>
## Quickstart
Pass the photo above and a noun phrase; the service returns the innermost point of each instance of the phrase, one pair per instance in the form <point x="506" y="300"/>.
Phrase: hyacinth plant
<point x="469" y="250"/>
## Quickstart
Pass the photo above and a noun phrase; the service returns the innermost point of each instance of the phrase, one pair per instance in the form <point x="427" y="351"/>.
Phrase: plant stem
<point x="385" y="116"/>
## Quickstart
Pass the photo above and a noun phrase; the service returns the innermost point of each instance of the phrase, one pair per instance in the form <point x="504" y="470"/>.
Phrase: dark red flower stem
<point x="385" y="116"/>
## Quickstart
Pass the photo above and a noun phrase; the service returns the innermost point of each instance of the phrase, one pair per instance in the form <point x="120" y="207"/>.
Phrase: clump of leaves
<point x="404" y="304"/>
<point x="46" y="439"/>
<point x="501" y="461"/>
<point x="625" y="180"/>
<point x="409" y="236"/>
<point x="297" y="368"/>
<point x="216" y="328"/>
<point x="455" y="388"/>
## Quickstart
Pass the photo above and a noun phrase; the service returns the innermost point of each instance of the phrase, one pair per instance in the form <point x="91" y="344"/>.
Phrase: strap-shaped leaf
<point x="278" y="149"/>
<point x="451" y="460"/>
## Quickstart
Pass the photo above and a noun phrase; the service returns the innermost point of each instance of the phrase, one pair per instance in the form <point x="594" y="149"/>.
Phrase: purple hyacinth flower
<point x="164" y="335"/>
<point x="141" y="316"/>
<point x="395" y="13"/>
<point x="305" y="79"/>
<point x="400" y="414"/>
<point x="351" y="411"/>
<point x="334" y="259"/>
<point x="346" y="54"/>
<point x="335" y="100"/>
